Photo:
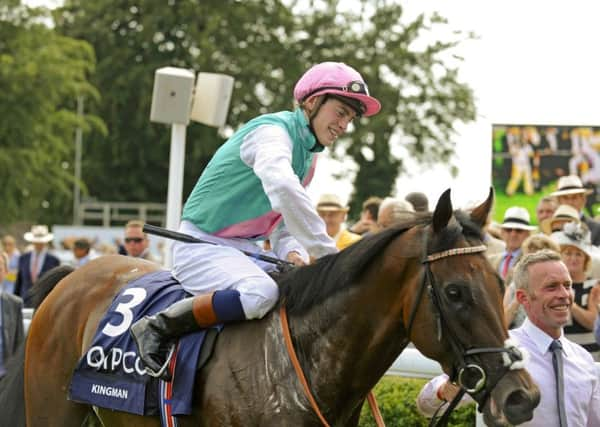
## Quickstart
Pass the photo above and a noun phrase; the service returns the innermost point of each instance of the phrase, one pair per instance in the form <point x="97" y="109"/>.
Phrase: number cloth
<point x="110" y="374"/>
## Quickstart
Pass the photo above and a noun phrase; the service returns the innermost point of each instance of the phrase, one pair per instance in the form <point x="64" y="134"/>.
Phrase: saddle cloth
<point x="111" y="374"/>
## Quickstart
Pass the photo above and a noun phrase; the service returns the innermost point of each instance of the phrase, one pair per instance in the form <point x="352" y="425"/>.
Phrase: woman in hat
<point x="570" y="191"/>
<point x="253" y="188"/>
<point x="576" y="252"/>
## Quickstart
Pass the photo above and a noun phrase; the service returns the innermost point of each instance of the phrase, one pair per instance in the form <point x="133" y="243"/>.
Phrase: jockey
<point x="253" y="188"/>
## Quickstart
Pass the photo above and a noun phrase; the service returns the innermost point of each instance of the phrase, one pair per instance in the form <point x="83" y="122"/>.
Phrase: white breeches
<point x="203" y="268"/>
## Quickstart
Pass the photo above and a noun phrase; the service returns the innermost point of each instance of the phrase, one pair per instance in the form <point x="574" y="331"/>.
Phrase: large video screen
<point x="528" y="159"/>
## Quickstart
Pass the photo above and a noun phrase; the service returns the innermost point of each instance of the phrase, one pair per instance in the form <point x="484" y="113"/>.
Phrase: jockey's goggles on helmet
<point x="355" y="86"/>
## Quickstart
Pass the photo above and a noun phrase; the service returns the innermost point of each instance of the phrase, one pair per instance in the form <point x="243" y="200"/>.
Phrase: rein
<point x="511" y="354"/>
<point x="294" y="359"/>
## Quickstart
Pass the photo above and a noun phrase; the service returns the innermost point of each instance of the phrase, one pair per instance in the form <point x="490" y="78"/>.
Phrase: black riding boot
<point x="154" y="335"/>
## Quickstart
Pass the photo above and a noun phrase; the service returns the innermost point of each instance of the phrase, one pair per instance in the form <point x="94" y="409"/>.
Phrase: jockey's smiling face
<point x="332" y="119"/>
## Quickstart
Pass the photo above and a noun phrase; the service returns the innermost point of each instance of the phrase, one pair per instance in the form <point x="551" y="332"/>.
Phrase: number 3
<point x="138" y="295"/>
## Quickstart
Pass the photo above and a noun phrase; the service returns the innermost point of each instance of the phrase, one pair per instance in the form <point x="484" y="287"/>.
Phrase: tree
<point x="265" y="45"/>
<point x="416" y="82"/>
<point x="40" y="75"/>
<point x="134" y="38"/>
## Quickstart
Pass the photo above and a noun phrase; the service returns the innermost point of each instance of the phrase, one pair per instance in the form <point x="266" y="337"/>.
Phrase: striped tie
<point x="557" y="364"/>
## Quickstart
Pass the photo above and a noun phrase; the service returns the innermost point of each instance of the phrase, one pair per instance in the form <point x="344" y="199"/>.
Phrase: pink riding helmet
<point x="339" y="79"/>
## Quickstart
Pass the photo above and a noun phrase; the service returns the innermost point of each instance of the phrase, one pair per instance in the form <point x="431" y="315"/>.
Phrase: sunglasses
<point x="134" y="239"/>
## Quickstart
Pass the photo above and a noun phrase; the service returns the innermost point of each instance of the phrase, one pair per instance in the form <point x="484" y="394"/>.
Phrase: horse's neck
<point x="347" y="343"/>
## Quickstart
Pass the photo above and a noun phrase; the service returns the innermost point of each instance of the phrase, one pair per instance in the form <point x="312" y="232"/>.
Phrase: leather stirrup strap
<point x="375" y="409"/>
<point x="294" y="359"/>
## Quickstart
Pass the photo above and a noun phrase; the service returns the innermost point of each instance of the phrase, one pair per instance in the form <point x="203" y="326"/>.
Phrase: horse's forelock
<point x="460" y="226"/>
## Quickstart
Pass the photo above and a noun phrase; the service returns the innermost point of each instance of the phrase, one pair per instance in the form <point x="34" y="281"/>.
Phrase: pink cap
<point x="339" y="79"/>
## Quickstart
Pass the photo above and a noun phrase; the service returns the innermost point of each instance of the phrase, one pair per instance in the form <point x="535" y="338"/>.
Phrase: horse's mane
<point x="47" y="281"/>
<point x="302" y="288"/>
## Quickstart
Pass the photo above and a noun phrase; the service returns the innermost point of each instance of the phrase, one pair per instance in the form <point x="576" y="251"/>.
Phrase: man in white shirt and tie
<point x="34" y="263"/>
<point x="515" y="228"/>
<point x="544" y="290"/>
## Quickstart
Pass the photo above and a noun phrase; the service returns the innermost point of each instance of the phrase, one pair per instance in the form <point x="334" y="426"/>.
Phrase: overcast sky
<point x="534" y="63"/>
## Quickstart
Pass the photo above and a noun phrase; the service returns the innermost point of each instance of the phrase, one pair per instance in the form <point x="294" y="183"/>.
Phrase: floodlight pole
<point x="171" y="101"/>
<point x="175" y="190"/>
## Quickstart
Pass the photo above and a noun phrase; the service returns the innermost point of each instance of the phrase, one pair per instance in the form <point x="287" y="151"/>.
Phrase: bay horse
<point x="350" y="316"/>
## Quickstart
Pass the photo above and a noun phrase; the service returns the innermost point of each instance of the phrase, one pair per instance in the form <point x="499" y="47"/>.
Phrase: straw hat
<point x="517" y="217"/>
<point x="570" y="184"/>
<point x="38" y="234"/>
<point x="331" y="202"/>
<point x="564" y="213"/>
<point x="575" y="234"/>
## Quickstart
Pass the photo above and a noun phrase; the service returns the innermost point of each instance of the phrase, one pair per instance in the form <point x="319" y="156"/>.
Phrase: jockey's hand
<point x="295" y="258"/>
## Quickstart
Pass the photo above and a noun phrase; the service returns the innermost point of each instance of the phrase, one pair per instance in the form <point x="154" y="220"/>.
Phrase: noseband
<point x="463" y="366"/>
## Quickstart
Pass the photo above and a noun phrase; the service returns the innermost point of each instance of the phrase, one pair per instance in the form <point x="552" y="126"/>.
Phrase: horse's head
<point x="458" y="320"/>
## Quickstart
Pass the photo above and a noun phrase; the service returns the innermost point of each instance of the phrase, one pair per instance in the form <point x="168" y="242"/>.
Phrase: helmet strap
<point x="311" y="115"/>
<point x="317" y="106"/>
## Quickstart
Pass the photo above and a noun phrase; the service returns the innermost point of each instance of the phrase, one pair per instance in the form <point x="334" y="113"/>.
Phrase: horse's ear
<point x="442" y="212"/>
<point x="480" y="214"/>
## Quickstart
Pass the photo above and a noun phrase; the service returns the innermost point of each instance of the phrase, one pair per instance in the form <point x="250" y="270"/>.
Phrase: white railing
<point x="110" y="214"/>
<point x="27" y="313"/>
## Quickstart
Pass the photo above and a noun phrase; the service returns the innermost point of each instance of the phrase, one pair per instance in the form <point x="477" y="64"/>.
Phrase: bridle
<point x="511" y="354"/>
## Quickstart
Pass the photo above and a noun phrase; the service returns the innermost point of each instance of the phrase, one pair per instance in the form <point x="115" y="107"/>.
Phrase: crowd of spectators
<point x="21" y="265"/>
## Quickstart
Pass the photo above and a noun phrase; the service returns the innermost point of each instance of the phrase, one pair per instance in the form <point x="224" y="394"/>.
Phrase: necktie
<point x="506" y="265"/>
<point x="557" y="363"/>
<point x="34" y="266"/>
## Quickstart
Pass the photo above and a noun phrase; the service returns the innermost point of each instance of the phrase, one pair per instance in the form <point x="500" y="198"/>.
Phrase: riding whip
<point x="176" y="235"/>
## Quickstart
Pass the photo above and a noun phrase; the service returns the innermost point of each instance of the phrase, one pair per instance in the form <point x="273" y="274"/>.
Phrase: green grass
<point x="503" y="202"/>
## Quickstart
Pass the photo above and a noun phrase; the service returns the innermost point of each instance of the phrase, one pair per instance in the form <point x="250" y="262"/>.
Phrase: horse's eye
<point x="453" y="293"/>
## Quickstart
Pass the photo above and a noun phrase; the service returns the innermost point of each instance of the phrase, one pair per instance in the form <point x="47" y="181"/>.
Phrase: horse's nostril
<point x="518" y="407"/>
<point x="516" y="398"/>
